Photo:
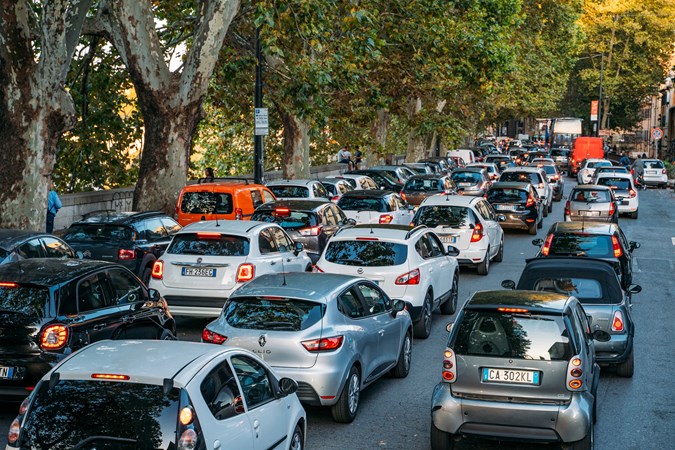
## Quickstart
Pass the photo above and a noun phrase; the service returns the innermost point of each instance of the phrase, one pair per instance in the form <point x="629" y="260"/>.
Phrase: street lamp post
<point x="602" y="63"/>
<point x="258" y="138"/>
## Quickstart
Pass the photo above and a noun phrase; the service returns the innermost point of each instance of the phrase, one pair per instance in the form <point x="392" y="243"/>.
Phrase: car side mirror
<point x="452" y="251"/>
<point x="349" y="221"/>
<point x="633" y="245"/>
<point x="501" y="218"/>
<point x="298" y="248"/>
<point x="141" y="241"/>
<point x="634" y="288"/>
<point x="79" y="255"/>
<point x="397" y="307"/>
<point x="449" y="326"/>
<point x="537" y="242"/>
<point x="509" y="284"/>
<point x="288" y="386"/>
<point x="411" y="207"/>
<point x="154" y="295"/>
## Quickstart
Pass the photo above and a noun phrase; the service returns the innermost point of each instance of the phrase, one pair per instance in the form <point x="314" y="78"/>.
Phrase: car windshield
<point x="462" y="178"/>
<point x="439" y="215"/>
<point x="505" y="195"/>
<point x="617" y="183"/>
<point x="512" y="335"/>
<point x="22" y="304"/>
<point x="366" y="253"/>
<point x="559" y="152"/>
<point x="422" y="185"/>
<point x="654" y="164"/>
<point x="549" y="169"/>
<point x="206" y="203"/>
<point x="382" y="177"/>
<point x="209" y="244"/>
<point x="289" y="220"/>
<point x="592" y="164"/>
<point x="362" y="203"/>
<point x="272" y="313"/>
<point x="521" y="177"/>
<point x="591" y="245"/>
<point x="98" y="232"/>
<point x="590" y="196"/>
<point x="101" y="414"/>
<point x="290" y="191"/>
<point x="585" y="289"/>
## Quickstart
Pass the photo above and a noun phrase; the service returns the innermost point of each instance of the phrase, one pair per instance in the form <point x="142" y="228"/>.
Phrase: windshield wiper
<point x="91" y="439"/>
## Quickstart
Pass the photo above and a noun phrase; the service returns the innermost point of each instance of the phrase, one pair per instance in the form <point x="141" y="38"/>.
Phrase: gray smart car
<point x="333" y="334"/>
<point x="518" y="365"/>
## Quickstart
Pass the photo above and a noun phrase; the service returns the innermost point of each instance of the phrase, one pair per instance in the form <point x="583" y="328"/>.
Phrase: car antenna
<point x="283" y="269"/>
<point x="215" y="209"/>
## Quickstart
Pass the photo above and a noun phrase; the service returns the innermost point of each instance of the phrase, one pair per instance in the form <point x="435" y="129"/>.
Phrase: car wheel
<point x="550" y="207"/>
<point x="484" y="267"/>
<point x="540" y="224"/>
<point x="532" y="229"/>
<point x="545" y="210"/>
<point x="587" y="442"/>
<point x="450" y="305"/>
<point x="423" y="326"/>
<point x="344" y="411"/>
<point x="297" y="440"/>
<point x="626" y="368"/>
<point x="308" y="268"/>
<point x="402" y="368"/>
<point x="145" y="277"/>
<point x="499" y="257"/>
<point x="440" y="440"/>
<point x="634" y="215"/>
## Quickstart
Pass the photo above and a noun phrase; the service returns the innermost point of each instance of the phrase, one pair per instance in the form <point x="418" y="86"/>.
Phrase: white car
<point x="411" y="265"/>
<point x="624" y="190"/>
<point x="206" y="261"/>
<point x="491" y="169"/>
<point x="336" y="187"/>
<point x="359" y="181"/>
<point x="470" y="224"/>
<point x="376" y="206"/>
<point x="293" y="189"/>
<point x="537" y="177"/>
<point x="142" y="394"/>
<point x="588" y="167"/>
<point x="654" y="172"/>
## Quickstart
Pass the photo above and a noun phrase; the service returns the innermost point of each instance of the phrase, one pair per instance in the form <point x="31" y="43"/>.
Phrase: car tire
<point x="298" y="439"/>
<point x="532" y="229"/>
<point x="550" y="207"/>
<point x="402" y="367"/>
<point x="545" y="211"/>
<point x="626" y="368"/>
<point x="540" y="224"/>
<point x="440" y="440"/>
<point x="450" y="305"/>
<point x="422" y="327"/>
<point x="145" y="276"/>
<point x="344" y="411"/>
<point x="587" y="442"/>
<point x="484" y="267"/>
<point x="634" y="215"/>
<point x="499" y="257"/>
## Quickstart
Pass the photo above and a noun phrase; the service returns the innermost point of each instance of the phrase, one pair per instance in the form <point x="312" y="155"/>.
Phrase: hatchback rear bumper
<point x="321" y="384"/>
<point x="614" y="351"/>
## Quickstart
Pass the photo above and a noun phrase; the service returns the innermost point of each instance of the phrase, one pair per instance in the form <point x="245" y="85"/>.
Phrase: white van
<point x="465" y="154"/>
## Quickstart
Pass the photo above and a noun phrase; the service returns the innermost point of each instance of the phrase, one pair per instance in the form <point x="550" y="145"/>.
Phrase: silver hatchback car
<point x="518" y="365"/>
<point x="592" y="202"/>
<point x="333" y="334"/>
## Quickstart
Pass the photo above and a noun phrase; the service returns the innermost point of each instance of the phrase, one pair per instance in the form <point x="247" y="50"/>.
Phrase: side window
<point x="436" y="246"/>
<point x="282" y="240"/>
<point x="91" y="293"/>
<point x="490" y="210"/>
<point x="572" y="329"/>
<point x="339" y="215"/>
<point x="480" y="207"/>
<point x="350" y="305"/>
<point x="126" y="288"/>
<point x="142" y="232"/>
<point x="155" y="230"/>
<point x="56" y="249"/>
<point x="256" y="197"/>
<point x="329" y="216"/>
<point x="266" y="242"/>
<point x="172" y="227"/>
<point x="398" y="201"/>
<point x="31" y="249"/>
<point x="267" y="196"/>
<point x="376" y="301"/>
<point x="581" y="316"/>
<point x="254" y="381"/>
<point x="221" y="393"/>
<point x="342" y="188"/>
<point x="422" y="248"/>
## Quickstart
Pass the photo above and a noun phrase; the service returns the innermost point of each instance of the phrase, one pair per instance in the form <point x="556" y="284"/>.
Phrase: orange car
<point x="220" y="198"/>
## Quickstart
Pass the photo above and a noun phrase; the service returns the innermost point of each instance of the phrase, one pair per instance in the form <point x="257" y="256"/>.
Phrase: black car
<point x="591" y="240"/>
<point x="442" y="163"/>
<point x="382" y="178"/>
<point x="50" y="308"/>
<point x="311" y="222"/>
<point x="519" y="203"/>
<point x="133" y="239"/>
<point x="17" y="245"/>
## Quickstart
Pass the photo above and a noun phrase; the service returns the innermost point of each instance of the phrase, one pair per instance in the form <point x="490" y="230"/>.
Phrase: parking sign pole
<point x="258" y="138"/>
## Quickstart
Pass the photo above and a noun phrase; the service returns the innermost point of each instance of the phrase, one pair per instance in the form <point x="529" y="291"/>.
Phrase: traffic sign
<point x="594" y="110"/>
<point x="261" y="122"/>
<point x="657" y="133"/>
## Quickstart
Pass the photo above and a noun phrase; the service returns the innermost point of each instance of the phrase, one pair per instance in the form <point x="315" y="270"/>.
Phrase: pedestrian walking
<point x="53" y="206"/>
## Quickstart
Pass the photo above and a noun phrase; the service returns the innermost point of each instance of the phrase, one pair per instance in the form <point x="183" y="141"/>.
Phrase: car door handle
<point x="256" y="424"/>
<point x="273" y="263"/>
<point x="99" y="327"/>
<point x="381" y="332"/>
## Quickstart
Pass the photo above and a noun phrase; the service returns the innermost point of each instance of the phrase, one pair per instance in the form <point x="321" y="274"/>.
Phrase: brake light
<point x="546" y="248"/>
<point x="618" y="251"/>
<point x="208" y="236"/>
<point x="366" y="239"/>
<point x="632" y="193"/>
<point x="575" y="369"/>
<point x="6" y="284"/>
<point x="14" y="429"/>
<point x="212" y="337"/>
<point x="556" y="177"/>
<point x="238" y="214"/>
<point x="513" y="310"/>
<point x="477" y="234"/>
<point x="612" y="208"/>
<point x="412" y="277"/>
<point x="186" y="416"/>
<point x="316" y="269"/>
<point x="617" y="321"/>
<point x="54" y="337"/>
<point x="283" y="212"/>
<point x="311" y="231"/>
<point x="110" y="376"/>
<point x="663" y="171"/>
<point x="125" y="255"/>
<point x="405" y="199"/>
<point x="245" y="272"/>
<point x="386" y="218"/>
<point x="530" y="202"/>
<point x="449" y="366"/>
<point x="158" y="270"/>
<point x="323" y="344"/>
<point x="24" y="405"/>
<point x="632" y="171"/>
<point x="189" y="428"/>
<point x="335" y="198"/>
<point x="567" y="208"/>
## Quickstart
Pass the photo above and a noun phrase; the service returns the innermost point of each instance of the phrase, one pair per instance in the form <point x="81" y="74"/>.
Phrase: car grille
<point x="502" y="399"/>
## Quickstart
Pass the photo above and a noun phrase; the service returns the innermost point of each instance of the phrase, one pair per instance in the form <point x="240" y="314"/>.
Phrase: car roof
<point x="468" y="169"/>
<point x="371" y="193"/>
<point x="603" y="168"/>
<point x="220" y="185"/>
<point x="9" y="237"/>
<point x="591" y="187"/>
<point x="627" y="176"/>
<point x="427" y="177"/>
<point x="376" y="231"/>
<point x="385" y="167"/>
<point x="583" y="227"/>
<point x="49" y="271"/>
<point x="533" y="300"/>
<point x="117" y="217"/>
<point x="523" y="169"/>
<point x="292" y="182"/>
<point x="509" y="185"/>
<point x="334" y="180"/>
<point x="449" y="200"/>
<point x="295" y="204"/>
<point x="240" y="227"/>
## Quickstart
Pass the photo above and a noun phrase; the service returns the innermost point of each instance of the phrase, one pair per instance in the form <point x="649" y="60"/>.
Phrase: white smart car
<point x="624" y="189"/>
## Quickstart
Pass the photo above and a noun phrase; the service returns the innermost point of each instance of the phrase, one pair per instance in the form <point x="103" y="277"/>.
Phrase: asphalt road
<point x="633" y="413"/>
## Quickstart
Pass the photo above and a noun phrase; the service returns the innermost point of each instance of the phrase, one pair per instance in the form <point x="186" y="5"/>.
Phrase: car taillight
<point x="546" y="248"/>
<point x="189" y="430"/>
<point x="335" y="198"/>
<point x="612" y="208"/>
<point x="245" y="272"/>
<point x="24" y="405"/>
<point x="477" y="234"/>
<point x="238" y="214"/>
<point x="449" y="366"/>
<point x="632" y="171"/>
<point x="323" y="344"/>
<point x="316" y="269"/>
<point x="541" y="185"/>
<point x="556" y="177"/>
<point x="14" y="429"/>
<point x="54" y="337"/>
<point x="311" y="231"/>
<point x="212" y="337"/>
<point x="386" y="218"/>
<point x="125" y="255"/>
<point x="632" y="193"/>
<point x="405" y="199"/>
<point x="158" y="270"/>
<point x="412" y="277"/>
<point x="575" y="369"/>
<point x="618" y="251"/>
<point x="663" y="171"/>
<point x="567" y="208"/>
<point x="530" y="202"/>
<point x="617" y="321"/>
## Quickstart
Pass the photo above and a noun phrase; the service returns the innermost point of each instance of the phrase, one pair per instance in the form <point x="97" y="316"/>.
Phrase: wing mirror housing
<point x="288" y="386"/>
<point x="452" y="251"/>
<point x="298" y="248"/>
<point x="154" y="295"/>
<point x="449" y="326"/>
<point x="537" y="242"/>
<point x="501" y="218"/>
<point x="634" y="289"/>
<point x="509" y="284"/>
<point x="633" y="245"/>
<point x="397" y="307"/>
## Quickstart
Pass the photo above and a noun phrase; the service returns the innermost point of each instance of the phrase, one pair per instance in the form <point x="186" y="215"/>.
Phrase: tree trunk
<point x="379" y="131"/>
<point x="418" y="144"/>
<point x="296" y="147"/>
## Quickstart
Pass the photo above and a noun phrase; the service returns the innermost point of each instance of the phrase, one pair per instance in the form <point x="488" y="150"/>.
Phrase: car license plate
<point x="198" y="272"/>
<point x="624" y="202"/>
<point x="464" y="184"/>
<point x="448" y="239"/>
<point x="493" y="375"/>
<point x="590" y="213"/>
<point x="651" y="172"/>
<point x="6" y="372"/>
<point x="506" y="207"/>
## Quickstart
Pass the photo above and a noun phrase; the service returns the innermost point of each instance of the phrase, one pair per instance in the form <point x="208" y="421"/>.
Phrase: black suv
<point x="50" y="308"/>
<point x="520" y="204"/>
<point x="133" y="239"/>
<point x="16" y="245"/>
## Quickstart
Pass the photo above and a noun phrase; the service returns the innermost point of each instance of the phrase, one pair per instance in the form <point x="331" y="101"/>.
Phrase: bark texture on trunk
<point x="296" y="147"/>
<point x="418" y="144"/>
<point x="379" y="131"/>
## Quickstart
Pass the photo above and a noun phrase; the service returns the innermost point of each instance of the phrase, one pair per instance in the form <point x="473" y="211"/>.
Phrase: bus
<point x="562" y="131"/>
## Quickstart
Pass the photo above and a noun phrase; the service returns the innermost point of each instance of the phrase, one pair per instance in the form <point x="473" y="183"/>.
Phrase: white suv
<point x="624" y="189"/>
<point x="410" y="264"/>
<point x="206" y="261"/>
<point x="536" y="176"/>
<point x="467" y="223"/>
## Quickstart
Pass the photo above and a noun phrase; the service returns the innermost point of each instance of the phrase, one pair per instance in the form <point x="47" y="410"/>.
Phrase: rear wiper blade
<point x="284" y="325"/>
<point x="350" y="261"/>
<point x="193" y="252"/>
<point x="91" y="439"/>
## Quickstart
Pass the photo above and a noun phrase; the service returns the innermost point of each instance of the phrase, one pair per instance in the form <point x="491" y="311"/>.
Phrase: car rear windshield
<point x="559" y="152"/>
<point x="585" y="289"/>
<point x="272" y="313"/>
<point x="357" y="203"/>
<point x="102" y="415"/>
<point x="330" y="188"/>
<point x="206" y="203"/>
<point x="654" y="165"/>
<point x="452" y="216"/>
<point x="289" y="220"/>
<point x="506" y="195"/>
<point x="591" y="245"/>
<point x="209" y="244"/>
<point x="22" y="304"/>
<point x="512" y="335"/>
<point x="98" y="232"/>
<point x="592" y="164"/>
<point x="366" y="253"/>
<point x="422" y="185"/>
<point x="521" y="177"/>
<point x="590" y="196"/>
<point x="549" y="169"/>
<point x="466" y="177"/>
<point x="618" y="183"/>
<point x="290" y="191"/>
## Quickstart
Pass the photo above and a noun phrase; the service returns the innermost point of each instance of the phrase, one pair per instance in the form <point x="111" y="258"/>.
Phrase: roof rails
<point x="98" y="211"/>
<point x="414" y="230"/>
<point x="211" y="180"/>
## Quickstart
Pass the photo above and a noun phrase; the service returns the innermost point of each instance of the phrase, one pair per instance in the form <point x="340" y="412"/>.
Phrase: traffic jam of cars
<point x="315" y="290"/>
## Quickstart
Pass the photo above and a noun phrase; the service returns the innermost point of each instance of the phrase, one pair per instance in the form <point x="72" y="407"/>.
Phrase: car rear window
<point x="590" y="196"/>
<point x="654" y="165"/>
<point x="591" y="245"/>
<point x="98" y="232"/>
<point x="505" y="195"/>
<point x="272" y="313"/>
<point x="206" y="203"/>
<point x="452" y="216"/>
<point x="290" y="191"/>
<point x="421" y="185"/>
<point x="357" y="203"/>
<point x="289" y="220"/>
<point x="28" y="302"/>
<point x="592" y="164"/>
<point x="549" y="169"/>
<point x="121" y="416"/>
<point x="329" y="187"/>
<point x="367" y="253"/>
<point x="585" y="289"/>
<point x="466" y="177"/>
<point x="209" y="244"/>
<point x="558" y="152"/>
<point x="618" y="183"/>
<point x="512" y="335"/>
<point x="521" y="177"/>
